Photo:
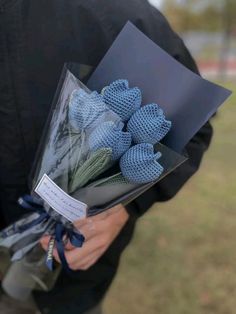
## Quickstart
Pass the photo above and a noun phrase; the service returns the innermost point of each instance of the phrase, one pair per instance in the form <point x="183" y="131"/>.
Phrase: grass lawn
<point x="183" y="256"/>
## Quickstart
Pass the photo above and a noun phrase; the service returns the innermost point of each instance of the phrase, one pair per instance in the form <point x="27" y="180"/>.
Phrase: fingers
<point x="86" y="262"/>
<point x="45" y="242"/>
<point x="81" y="261"/>
<point x="88" y="229"/>
<point x="89" y="247"/>
<point x="80" y="223"/>
<point x="93" y="228"/>
<point x="46" y="239"/>
<point x="99" y="233"/>
<point x="115" y="209"/>
<point x="85" y="257"/>
<point x="81" y="258"/>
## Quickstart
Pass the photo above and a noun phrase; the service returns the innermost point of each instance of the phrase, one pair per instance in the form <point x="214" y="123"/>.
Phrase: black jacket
<point x="36" y="39"/>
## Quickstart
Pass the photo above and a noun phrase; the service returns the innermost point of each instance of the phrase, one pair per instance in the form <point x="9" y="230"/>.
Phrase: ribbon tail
<point x="60" y="231"/>
<point x="76" y="239"/>
<point x="49" y="256"/>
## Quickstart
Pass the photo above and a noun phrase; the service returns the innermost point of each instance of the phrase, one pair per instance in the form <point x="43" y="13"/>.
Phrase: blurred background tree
<point x="205" y="15"/>
<point x="216" y="17"/>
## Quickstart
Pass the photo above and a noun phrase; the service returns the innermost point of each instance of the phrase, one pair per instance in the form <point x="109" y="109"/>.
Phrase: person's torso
<point x="36" y="39"/>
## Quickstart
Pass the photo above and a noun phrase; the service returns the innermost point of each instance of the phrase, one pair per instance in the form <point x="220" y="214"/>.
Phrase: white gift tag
<point x="60" y="201"/>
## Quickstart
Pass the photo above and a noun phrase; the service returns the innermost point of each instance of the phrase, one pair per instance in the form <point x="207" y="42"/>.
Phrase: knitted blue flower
<point x="110" y="135"/>
<point x="139" y="164"/>
<point x="121" y="99"/>
<point x="148" y="125"/>
<point x="85" y="108"/>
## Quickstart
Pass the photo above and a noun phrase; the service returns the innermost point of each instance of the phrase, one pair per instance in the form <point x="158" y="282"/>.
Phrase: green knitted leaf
<point x="91" y="168"/>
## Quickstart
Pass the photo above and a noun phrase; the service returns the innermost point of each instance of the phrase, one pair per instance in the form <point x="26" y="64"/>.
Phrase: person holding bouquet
<point x="37" y="38"/>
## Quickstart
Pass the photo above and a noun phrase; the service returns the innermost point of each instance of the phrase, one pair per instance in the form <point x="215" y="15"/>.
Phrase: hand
<point x="99" y="232"/>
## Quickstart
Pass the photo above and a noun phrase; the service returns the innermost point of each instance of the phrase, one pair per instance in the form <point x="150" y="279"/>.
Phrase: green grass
<point x="183" y="256"/>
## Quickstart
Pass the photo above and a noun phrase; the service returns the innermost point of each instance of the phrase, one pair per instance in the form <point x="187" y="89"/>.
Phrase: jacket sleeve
<point x="113" y="16"/>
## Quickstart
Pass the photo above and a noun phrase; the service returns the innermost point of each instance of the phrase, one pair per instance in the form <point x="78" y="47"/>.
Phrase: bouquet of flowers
<point x="101" y="147"/>
<point x="98" y="150"/>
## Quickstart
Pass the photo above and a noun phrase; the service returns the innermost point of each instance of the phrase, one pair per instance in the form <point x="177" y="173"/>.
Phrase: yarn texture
<point x="148" y="125"/>
<point x="91" y="169"/>
<point x="85" y="108"/>
<point x="139" y="164"/>
<point x="110" y="135"/>
<point x="121" y="99"/>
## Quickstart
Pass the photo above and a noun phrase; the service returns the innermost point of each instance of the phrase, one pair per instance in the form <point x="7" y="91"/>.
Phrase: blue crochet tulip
<point x="148" y="125"/>
<point x="110" y="135"/>
<point x="139" y="164"/>
<point x="84" y="109"/>
<point x="121" y="99"/>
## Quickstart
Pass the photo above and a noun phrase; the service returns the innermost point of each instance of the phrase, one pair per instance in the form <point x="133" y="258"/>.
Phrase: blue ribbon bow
<point x="77" y="239"/>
